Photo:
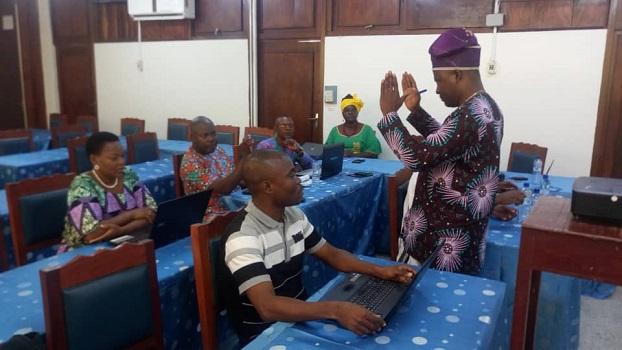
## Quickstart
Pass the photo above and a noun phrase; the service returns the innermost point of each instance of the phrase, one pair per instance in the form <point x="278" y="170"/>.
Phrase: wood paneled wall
<point x="315" y="18"/>
<point x="607" y="152"/>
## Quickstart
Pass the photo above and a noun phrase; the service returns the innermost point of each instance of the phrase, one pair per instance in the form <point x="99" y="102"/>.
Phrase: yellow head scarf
<point x="354" y="101"/>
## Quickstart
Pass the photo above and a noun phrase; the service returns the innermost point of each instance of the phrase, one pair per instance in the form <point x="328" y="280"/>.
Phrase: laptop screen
<point x="332" y="160"/>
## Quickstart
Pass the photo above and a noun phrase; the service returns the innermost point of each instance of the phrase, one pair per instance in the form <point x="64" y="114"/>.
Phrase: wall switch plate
<point x="494" y="20"/>
<point x="330" y="94"/>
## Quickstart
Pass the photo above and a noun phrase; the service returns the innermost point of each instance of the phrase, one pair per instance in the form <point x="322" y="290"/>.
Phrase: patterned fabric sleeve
<point x="194" y="176"/>
<point x="373" y="145"/>
<point x="139" y="190"/>
<point x="84" y="210"/>
<point x="452" y="139"/>
<point x="423" y="122"/>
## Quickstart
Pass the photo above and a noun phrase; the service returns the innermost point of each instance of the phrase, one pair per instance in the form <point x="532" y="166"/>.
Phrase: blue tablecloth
<point x="345" y="199"/>
<point x="444" y="311"/>
<point x="560" y="296"/>
<point x="16" y="167"/>
<point x="22" y="309"/>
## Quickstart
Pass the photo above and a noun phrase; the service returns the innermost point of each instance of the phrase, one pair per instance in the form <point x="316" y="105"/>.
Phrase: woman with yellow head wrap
<point x="359" y="139"/>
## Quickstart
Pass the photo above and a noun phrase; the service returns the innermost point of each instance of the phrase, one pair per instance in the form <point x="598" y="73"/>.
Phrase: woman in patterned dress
<point x="108" y="201"/>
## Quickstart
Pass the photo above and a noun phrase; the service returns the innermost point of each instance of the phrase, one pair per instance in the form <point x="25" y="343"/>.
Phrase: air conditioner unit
<point x="151" y="10"/>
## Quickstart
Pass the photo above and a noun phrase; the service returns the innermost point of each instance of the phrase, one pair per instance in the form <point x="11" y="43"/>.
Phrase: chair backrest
<point x="131" y="126"/>
<point x="228" y="134"/>
<point x="109" y="300"/>
<point x="205" y="245"/>
<point x="15" y="141"/>
<point x="4" y="259"/>
<point x="522" y="156"/>
<point x="178" y="129"/>
<point x="142" y="147"/>
<point x="258" y="134"/>
<point x="58" y="119"/>
<point x="37" y="209"/>
<point x="397" y="186"/>
<point x="237" y="156"/>
<point x="62" y="134"/>
<point x="88" y="122"/>
<point x="179" y="185"/>
<point x="78" y="160"/>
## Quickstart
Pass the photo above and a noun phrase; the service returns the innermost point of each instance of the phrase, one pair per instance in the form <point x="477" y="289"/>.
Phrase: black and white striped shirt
<point x="259" y="249"/>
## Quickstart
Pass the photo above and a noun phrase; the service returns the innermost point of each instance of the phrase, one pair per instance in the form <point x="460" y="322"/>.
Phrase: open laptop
<point x="173" y="219"/>
<point x="332" y="161"/>
<point x="377" y="295"/>
<point x="315" y="150"/>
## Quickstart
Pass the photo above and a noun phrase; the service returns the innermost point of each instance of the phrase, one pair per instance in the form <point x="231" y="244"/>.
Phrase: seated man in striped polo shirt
<point x="263" y="252"/>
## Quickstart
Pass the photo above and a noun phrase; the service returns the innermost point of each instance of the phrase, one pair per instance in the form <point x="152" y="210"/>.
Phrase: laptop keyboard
<point x="373" y="293"/>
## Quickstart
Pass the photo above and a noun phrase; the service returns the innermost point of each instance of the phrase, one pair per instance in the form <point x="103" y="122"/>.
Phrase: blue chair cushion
<point x="14" y="145"/>
<point x="145" y="151"/>
<point x="259" y="138"/>
<point x="88" y="126"/>
<point x="43" y="215"/>
<point x="129" y="129"/>
<point x="111" y="312"/>
<point x="66" y="136"/>
<point x="224" y="138"/>
<point x="177" y="132"/>
<point x="523" y="162"/>
<point x="84" y="164"/>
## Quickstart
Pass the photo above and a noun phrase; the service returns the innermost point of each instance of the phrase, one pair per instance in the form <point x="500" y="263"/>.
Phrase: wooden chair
<point x="78" y="160"/>
<point x="228" y="134"/>
<point x="178" y="129"/>
<point x="37" y="210"/>
<point x="179" y="185"/>
<point x="142" y="147"/>
<point x="4" y="259"/>
<point x="522" y="156"/>
<point x="58" y="119"/>
<point x="62" y="134"/>
<point x="15" y="141"/>
<point x="132" y="126"/>
<point x="397" y="186"/>
<point x="88" y="122"/>
<point x="205" y="244"/>
<point x="109" y="300"/>
<point x="258" y="134"/>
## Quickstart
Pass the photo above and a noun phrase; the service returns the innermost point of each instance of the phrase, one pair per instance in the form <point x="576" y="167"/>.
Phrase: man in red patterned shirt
<point x="206" y="166"/>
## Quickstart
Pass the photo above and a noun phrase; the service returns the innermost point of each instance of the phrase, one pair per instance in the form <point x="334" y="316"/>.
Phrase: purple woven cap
<point x="455" y="49"/>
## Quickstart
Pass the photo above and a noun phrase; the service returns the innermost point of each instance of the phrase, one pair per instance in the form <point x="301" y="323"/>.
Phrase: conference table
<point x="443" y="311"/>
<point x="20" y="166"/>
<point x="347" y="201"/>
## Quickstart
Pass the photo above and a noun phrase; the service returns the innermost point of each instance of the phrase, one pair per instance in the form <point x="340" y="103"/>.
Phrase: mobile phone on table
<point x="361" y="174"/>
<point x="358" y="160"/>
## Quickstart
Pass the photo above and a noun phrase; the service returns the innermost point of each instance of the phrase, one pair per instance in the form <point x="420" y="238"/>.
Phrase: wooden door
<point x="290" y="83"/>
<point x="11" y="107"/>
<point x="607" y="152"/>
<point x="74" y="56"/>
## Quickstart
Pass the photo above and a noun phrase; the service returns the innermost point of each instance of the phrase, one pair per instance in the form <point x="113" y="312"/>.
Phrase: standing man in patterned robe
<point x="457" y="161"/>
